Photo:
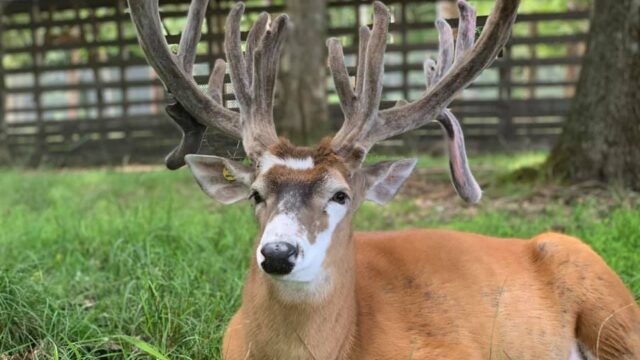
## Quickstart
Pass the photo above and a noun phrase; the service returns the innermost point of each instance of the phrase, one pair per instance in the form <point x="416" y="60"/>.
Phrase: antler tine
<point x="340" y="75"/>
<point x="374" y="70"/>
<point x="194" y="110"/>
<point x="235" y="58"/>
<point x="253" y="75"/>
<point x="341" y="78"/>
<point x="216" y="80"/>
<point x="266" y="58"/>
<point x="363" y="42"/>
<point x="466" y="30"/>
<point x="192" y="135"/>
<point x="467" y="67"/>
<point x="253" y="41"/>
<point x="191" y="35"/>
<point x="463" y="181"/>
<point x="445" y="50"/>
<point x="360" y="107"/>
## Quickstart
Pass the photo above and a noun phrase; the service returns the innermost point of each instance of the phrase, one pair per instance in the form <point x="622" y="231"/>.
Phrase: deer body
<point x="315" y="290"/>
<point x="436" y="294"/>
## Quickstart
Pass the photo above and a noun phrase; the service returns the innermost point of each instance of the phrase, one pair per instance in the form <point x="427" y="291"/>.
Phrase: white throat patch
<point x="268" y="160"/>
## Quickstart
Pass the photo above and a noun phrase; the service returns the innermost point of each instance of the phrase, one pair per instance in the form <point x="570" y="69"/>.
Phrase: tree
<point x="601" y="137"/>
<point x="302" y="103"/>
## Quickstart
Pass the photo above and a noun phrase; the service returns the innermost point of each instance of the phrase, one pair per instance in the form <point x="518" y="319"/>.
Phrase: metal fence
<point x="75" y="87"/>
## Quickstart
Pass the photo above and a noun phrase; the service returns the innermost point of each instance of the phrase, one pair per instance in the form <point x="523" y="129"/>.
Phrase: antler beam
<point x="252" y="74"/>
<point x="457" y="66"/>
<point x="469" y="62"/>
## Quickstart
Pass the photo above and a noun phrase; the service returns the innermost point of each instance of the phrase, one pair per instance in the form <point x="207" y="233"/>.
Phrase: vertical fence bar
<point x="506" y="131"/>
<point x="121" y="17"/>
<point x="5" y="149"/>
<point x="36" y="55"/>
<point x="532" y="73"/>
<point x="94" y="63"/>
<point x="405" y="42"/>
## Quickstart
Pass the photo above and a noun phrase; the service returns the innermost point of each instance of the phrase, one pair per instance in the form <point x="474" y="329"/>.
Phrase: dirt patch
<point x="432" y="193"/>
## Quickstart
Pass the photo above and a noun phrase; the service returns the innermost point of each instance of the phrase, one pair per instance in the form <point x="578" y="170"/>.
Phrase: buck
<point x="317" y="290"/>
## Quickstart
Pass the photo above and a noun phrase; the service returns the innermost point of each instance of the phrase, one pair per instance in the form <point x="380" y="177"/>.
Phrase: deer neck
<point x="295" y="320"/>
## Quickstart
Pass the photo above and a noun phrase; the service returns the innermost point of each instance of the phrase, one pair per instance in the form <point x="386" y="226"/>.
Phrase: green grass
<point x="101" y="262"/>
<point x="502" y="162"/>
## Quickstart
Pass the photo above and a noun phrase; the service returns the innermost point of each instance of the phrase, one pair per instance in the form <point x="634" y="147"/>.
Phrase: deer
<point x="316" y="289"/>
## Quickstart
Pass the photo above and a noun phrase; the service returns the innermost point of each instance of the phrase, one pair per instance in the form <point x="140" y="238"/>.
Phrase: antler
<point x="365" y="125"/>
<point x="361" y="106"/>
<point x="252" y="75"/>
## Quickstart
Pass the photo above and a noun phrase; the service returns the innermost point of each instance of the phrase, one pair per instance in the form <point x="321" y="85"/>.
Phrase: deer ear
<point x="225" y="180"/>
<point x="384" y="179"/>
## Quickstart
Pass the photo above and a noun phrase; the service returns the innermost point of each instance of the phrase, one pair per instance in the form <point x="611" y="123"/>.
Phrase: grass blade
<point x="142" y="345"/>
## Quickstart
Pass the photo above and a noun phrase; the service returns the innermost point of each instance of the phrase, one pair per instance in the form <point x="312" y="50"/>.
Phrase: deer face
<point x="303" y="199"/>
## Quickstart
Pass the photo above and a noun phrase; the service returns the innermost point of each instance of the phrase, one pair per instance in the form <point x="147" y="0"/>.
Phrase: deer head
<point x="304" y="197"/>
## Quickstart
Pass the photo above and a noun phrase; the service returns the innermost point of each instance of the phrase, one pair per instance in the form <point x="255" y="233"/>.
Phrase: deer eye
<point x="340" y="197"/>
<point x="256" y="197"/>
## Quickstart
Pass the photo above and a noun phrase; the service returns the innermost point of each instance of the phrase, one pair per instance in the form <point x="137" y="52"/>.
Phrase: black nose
<point x="278" y="257"/>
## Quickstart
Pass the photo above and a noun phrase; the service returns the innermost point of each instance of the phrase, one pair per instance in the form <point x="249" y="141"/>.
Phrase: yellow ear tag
<point x="228" y="175"/>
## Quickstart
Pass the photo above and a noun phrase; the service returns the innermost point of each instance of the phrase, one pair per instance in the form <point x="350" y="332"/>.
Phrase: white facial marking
<point x="283" y="227"/>
<point x="309" y="267"/>
<point x="268" y="160"/>
<point x="299" y="164"/>
<point x="286" y="227"/>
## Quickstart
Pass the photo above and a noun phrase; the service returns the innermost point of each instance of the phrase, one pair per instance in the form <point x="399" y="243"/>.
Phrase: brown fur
<point x="323" y="154"/>
<point x="266" y="327"/>
<point x="435" y="294"/>
<point x="431" y="294"/>
<point x="280" y="181"/>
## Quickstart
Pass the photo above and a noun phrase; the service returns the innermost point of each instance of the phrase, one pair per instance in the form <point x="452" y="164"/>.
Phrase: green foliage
<point x="533" y="6"/>
<point x="97" y="262"/>
<point x="96" y="254"/>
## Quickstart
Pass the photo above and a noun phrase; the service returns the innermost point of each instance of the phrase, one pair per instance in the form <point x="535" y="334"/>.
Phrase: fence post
<point x="506" y="130"/>
<point x="36" y="55"/>
<point x="5" y="155"/>
<point x="122" y="17"/>
<point x="94" y="61"/>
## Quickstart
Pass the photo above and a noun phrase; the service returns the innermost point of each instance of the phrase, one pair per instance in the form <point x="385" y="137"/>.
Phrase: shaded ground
<point x="433" y="194"/>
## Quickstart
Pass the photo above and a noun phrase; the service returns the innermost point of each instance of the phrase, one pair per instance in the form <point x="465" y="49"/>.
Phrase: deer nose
<point x="279" y="257"/>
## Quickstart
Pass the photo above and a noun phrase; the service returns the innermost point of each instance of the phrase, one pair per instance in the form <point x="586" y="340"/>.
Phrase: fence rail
<point x="75" y="87"/>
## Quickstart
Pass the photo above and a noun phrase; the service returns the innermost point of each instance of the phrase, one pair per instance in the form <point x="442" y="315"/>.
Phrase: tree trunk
<point x="601" y="138"/>
<point x="302" y="113"/>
